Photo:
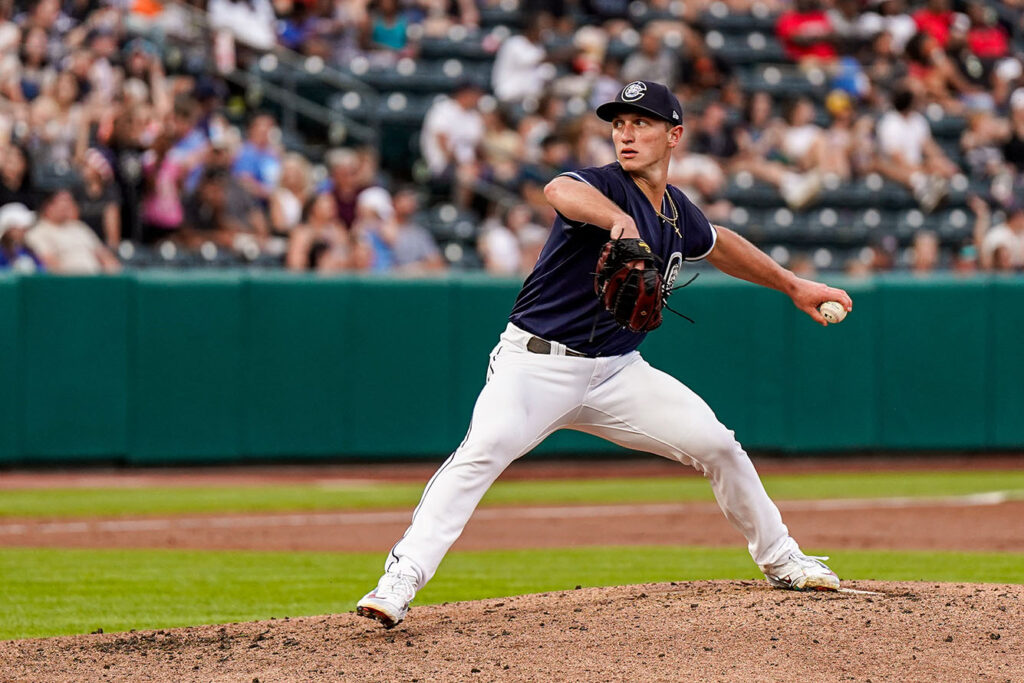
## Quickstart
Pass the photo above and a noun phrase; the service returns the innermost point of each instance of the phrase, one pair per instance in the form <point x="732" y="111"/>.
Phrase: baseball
<point x="832" y="311"/>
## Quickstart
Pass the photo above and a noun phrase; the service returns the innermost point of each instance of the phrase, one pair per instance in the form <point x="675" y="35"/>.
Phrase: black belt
<point x="538" y="345"/>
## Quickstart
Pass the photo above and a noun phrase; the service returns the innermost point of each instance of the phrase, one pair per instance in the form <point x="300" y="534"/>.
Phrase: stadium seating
<point x="386" y="96"/>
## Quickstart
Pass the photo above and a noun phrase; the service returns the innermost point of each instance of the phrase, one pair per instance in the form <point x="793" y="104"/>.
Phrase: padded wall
<point x="222" y="367"/>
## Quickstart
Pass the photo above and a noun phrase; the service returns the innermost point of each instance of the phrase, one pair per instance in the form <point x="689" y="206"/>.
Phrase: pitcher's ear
<point x="675" y="134"/>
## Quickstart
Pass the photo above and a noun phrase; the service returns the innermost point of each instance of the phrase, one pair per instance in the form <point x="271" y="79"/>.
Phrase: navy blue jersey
<point x="558" y="302"/>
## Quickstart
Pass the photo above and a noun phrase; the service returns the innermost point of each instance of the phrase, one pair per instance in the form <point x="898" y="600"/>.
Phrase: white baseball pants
<point x="619" y="398"/>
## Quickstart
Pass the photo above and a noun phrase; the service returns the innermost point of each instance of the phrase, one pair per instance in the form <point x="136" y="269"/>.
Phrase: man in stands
<point x="520" y="67"/>
<point x="66" y="244"/>
<point x="452" y="132"/>
<point x="909" y="153"/>
<point x="258" y="165"/>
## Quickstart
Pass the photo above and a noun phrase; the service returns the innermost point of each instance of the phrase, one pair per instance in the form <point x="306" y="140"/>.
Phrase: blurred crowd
<point x="889" y="68"/>
<point x="101" y="146"/>
<point x="103" y="143"/>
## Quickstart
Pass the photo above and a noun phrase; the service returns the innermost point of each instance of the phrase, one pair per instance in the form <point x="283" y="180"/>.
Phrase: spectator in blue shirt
<point x="15" y="219"/>
<point x="374" y="212"/>
<point x="258" y="165"/>
<point x="190" y="144"/>
<point x="387" y="27"/>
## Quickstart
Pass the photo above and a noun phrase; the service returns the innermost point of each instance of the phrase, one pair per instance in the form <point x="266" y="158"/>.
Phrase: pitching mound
<point x="671" y="632"/>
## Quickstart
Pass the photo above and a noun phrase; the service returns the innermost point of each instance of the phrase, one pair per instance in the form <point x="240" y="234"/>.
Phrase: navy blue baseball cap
<point x="644" y="97"/>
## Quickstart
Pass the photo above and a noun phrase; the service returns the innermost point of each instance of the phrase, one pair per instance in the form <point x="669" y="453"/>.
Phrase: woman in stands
<point x="290" y="196"/>
<point x="322" y="241"/>
<point x="765" y="137"/>
<point x="28" y="77"/>
<point x="59" y="126"/>
<point x="99" y="198"/>
<point x="1013" y="142"/>
<point x="935" y="75"/>
<point x="16" y="184"/>
<point x="804" y="142"/>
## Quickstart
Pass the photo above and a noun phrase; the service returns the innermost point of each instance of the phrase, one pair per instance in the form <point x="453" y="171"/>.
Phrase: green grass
<point x="194" y="500"/>
<point x="61" y="591"/>
<point x="52" y="592"/>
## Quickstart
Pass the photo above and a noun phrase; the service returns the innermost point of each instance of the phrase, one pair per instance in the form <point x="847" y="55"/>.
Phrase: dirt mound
<point x="679" y="631"/>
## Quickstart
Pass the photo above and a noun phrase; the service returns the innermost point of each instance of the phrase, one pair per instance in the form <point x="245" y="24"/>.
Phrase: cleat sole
<point x="377" y="615"/>
<point x="809" y="586"/>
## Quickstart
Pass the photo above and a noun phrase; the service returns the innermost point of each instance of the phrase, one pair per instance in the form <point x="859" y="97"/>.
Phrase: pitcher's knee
<point x="721" y="453"/>
<point x="485" y="454"/>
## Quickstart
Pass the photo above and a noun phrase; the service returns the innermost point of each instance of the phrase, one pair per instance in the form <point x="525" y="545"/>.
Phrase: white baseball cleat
<point x="801" y="572"/>
<point x="388" y="603"/>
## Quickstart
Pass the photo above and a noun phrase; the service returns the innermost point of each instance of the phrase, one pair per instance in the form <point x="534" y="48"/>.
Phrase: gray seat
<point x="855" y="194"/>
<point x="470" y="48"/>
<point x="783" y="80"/>
<point x="403" y="110"/>
<point x="949" y="127"/>
<point x="742" y="49"/>
<point x="757" y="195"/>
<point x="738" y="23"/>
<point x="135" y="255"/>
<point x="496" y="16"/>
<point x="448" y="224"/>
<point x="955" y="226"/>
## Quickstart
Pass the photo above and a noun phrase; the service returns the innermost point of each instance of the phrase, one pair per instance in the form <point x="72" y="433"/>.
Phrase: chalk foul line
<point x="854" y="591"/>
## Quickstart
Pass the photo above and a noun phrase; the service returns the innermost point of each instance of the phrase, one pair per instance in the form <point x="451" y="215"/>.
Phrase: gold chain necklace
<point x="675" y="212"/>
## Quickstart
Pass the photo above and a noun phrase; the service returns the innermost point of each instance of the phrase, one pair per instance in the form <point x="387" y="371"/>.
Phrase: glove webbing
<point x="659" y="261"/>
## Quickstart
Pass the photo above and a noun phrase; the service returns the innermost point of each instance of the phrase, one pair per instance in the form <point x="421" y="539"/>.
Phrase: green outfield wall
<point x="224" y="367"/>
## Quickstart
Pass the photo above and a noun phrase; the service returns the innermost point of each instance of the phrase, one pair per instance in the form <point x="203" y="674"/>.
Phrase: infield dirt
<point x="658" y="632"/>
<point x="735" y="631"/>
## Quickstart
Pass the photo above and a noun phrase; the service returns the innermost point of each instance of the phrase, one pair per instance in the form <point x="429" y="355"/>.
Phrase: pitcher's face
<point x="643" y="141"/>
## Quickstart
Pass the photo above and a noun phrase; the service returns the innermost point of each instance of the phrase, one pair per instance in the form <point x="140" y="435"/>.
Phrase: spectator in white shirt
<point x="291" y="194"/>
<point x="511" y="247"/>
<point x="250" y="22"/>
<point x="999" y="247"/>
<point x="909" y="154"/>
<point x="889" y="16"/>
<point x="66" y="244"/>
<point x="520" y="67"/>
<point x="452" y="132"/>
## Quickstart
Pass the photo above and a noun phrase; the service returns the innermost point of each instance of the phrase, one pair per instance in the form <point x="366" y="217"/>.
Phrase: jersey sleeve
<point x="605" y="179"/>
<point x="700" y="234"/>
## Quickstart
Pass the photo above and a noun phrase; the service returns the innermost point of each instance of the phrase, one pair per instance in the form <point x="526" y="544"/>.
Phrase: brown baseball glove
<point x="630" y="284"/>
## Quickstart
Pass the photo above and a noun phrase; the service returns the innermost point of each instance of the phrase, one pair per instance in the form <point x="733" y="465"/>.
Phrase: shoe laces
<point x="402" y="585"/>
<point x="801" y="562"/>
<point x="808" y="560"/>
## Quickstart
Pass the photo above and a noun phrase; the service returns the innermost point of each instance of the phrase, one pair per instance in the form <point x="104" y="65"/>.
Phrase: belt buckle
<point x="542" y="346"/>
<point x="538" y="345"/>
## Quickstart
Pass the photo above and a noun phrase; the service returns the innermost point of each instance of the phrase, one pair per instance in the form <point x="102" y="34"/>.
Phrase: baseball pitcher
<point x="568" y="358"/>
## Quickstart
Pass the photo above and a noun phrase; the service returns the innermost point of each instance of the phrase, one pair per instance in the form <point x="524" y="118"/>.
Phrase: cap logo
<point x="634" y="91"/>
<point x="675" y="115"/>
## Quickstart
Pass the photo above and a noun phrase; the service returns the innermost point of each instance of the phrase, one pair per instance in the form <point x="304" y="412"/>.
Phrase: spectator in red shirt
<point x="936" y="19"/>
<point x="989" y="41"/>
<point x="936" y="76"/>
<point x="806" y="32"/>
<point x="986" y="38"/>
